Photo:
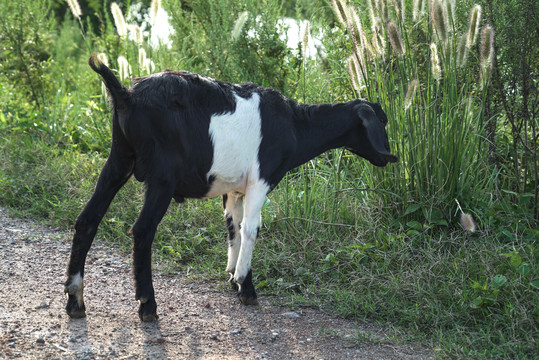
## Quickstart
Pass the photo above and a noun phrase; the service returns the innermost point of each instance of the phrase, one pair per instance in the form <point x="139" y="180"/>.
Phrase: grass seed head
<point x="410" y="94"/>
<point x="435" y="62"/>
<point x="418" y="9"/>
<point x="124" y="68"/>
<point x="75" y="8"/>
<point x="395" y="39"/>
<point x="473" y="25"/>
<point x="467" y="222"/>
<point x="487" y="47"/>
<point x="119" y="19"/>
<point x="439" y="18"/>
<point x="239" y="24"/>
<point x="340" y="10"/>
<point x="154" y="10"/>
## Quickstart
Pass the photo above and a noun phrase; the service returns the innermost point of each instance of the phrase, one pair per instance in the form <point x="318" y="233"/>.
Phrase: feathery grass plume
<point x="136" y="34"/>
<point x="354" y="70"/>
<point x="378" y="39"/>
<point x="356" y="32"/>
<point x="439" y="18"/>
<point x="141" y="58"/>
<point x="119" y="20"/>
<point x="399" y="7"/>
<point x="75" y="8"/>
<point x="381" y="7"/>
<point x="238" y="25"/>
<point x="450" y="8"/>
<point x="124" y="68"/>
<point x="462" y="51"/>
<point x="410" y="94"/>
<point x="149" y="66"/>
<point x="473" y="25"/>
<point x="339" y="6"/>
<point x="103" y="58"/>
<point x="360" y="40"/>
<point x="418" y="9"/>
<point x="486" y="54"/>
<point x="154" y="9"/>
<point x="487" y="47"/>
<point x="435" y="62"/>
<point x="370" y="6"/>
<point x="467" y="222"/>
<point x="305" y="38"/>
<point x="395" y="38"/>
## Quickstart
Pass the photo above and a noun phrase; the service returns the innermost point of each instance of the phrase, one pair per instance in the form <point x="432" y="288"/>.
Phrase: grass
<point x="381" y="245"/>
<point x="438" y="285"/>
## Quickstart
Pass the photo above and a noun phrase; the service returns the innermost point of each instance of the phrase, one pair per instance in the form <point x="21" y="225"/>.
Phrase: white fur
<point x="236" y="139"/>
<point x="254" y="200"/>
<point x="234" y="208"/>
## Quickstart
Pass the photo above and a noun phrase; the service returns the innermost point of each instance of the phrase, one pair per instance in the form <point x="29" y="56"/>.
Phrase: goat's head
<point x="370" y="139"/>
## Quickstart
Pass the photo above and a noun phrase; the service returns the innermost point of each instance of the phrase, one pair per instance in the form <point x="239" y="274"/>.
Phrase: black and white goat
<point x="190" y="136"/>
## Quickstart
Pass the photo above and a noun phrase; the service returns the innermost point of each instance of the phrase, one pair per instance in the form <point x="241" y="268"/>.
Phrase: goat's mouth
<point x="381" y="158"/>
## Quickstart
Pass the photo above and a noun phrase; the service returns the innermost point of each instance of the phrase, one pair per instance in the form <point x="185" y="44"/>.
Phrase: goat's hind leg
<point x="115" y="173"/>
<point x="158" y="197"/>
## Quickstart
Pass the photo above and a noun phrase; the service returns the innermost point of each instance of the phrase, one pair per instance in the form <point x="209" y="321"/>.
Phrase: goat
<point x="190" y="136"/>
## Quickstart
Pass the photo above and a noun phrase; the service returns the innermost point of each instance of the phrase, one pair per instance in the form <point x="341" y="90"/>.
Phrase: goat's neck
<point x="320" y="128"/>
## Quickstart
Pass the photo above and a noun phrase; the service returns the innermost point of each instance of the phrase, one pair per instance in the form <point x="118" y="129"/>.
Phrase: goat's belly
<point x="222" y="186"/>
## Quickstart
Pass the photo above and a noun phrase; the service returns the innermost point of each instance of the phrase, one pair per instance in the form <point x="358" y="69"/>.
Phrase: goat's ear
<point x="375" y="131"/>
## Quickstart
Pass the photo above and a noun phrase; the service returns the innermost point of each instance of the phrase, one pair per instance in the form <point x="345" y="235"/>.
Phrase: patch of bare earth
<point x="197" y="321"/>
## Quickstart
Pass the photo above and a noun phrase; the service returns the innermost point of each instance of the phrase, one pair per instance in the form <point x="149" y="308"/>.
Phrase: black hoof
<point x="74" y="309"/>
<point x="147" y="311"/>
<point x="247" y="293"/>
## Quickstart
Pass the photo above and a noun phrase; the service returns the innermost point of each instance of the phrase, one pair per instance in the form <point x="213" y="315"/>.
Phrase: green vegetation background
<point x="385" y="245"/>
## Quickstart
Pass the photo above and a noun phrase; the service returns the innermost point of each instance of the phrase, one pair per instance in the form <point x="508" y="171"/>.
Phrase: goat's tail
<point x="118" y="92"/>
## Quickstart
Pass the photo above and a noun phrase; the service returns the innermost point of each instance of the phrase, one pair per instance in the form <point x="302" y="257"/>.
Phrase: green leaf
<point x="535" y="284"/>
<point x="414" y="225"/>
<point x="498" y="281"/>
<point x="412" y="209"/>
<point x="262" y="284"/>
<point x="516" y="260"/>
<point x="476" y="303"/>
<point x="523" y="269"/>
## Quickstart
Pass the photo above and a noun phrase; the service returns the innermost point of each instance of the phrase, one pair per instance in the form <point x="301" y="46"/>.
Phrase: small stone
<point x="43" y="305"/>
<point x="291" y="315"/>
<point x="235" y="332"/>
<point x="214" y="337"/>
<point x="40" y="341"/>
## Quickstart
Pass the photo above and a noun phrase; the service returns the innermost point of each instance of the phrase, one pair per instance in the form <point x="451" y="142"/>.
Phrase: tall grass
<point x="337" y="233"/>
<point x="415" y="66"/>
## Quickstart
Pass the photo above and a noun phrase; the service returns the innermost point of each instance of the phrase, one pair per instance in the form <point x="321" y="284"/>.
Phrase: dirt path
<point x="197" y="321"/>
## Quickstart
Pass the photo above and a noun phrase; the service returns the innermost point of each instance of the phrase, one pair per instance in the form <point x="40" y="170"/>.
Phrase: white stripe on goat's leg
<point x="233" y="216"/>
<point x="254" y="200"/>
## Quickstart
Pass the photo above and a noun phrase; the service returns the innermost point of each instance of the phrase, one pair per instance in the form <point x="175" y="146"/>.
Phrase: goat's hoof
<point x="75" y="308"/>
<point x="233" y="283"/>
<point x="147" y="311"/>
<point x="247" y="294"/>
<point x="252" y="300"/>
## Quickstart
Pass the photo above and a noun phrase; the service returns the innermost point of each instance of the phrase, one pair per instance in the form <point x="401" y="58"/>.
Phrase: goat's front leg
<point x="243" y="275"/>
<point x="155" y="206"/>
<point x="115" y="173"/>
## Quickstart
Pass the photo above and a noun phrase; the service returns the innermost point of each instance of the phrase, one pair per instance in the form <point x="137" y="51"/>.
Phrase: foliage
<point x="378" y="244"/>
<point x="232" y="40"/>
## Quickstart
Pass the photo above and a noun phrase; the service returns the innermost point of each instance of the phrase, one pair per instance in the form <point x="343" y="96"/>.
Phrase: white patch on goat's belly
<point x="236" y="139"/>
